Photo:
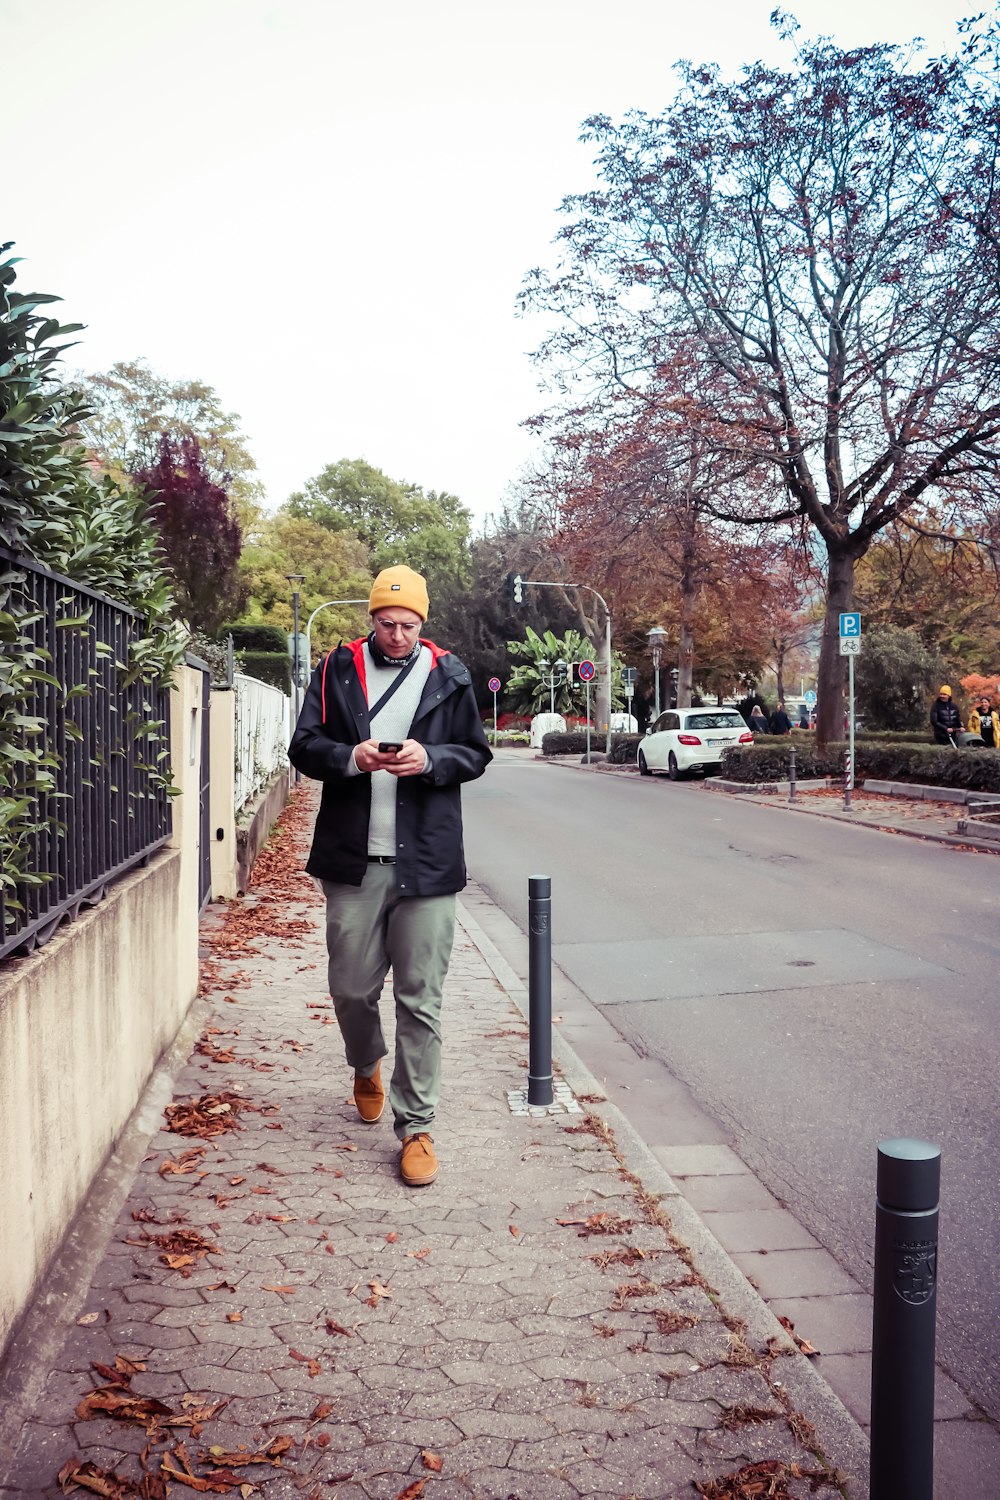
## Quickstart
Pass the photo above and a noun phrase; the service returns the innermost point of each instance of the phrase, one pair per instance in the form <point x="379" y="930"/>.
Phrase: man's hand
<point x="409" y="761"/>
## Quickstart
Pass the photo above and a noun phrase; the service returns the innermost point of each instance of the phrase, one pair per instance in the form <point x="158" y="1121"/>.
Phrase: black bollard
<point x="539" y="989"/>
<point x="903" y="1320"/>
<point x="791" y="773"/>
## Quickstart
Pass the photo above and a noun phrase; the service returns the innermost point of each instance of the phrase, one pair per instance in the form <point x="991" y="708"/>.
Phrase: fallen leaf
<point x="238" y="1458"/>
<point x="514" y="1231"/>
<point x="391" y="1237"/>
<point x="413" y="1490"/>
<point x="88" y="1318"/>
<point x="419" y="1254"/>
<point x="90" y="1477"/>
<point x="315" y="1368"/>
<point x="179" y="1166"/>
<point x="379" y="1291"/>
<point x="234" y="1317"/>
<point x="286" y="1291"/>
<point x="282" y="1218"/>
<point x="334" y="1327"/>
<point x="349" y="1146"/>
<point x="330" y="1249"/>
<point x="323" y="1410"/>
<point x="207" y="1117"/>
<point x="113" y="1401"/>
<point x="803" y="1345"/>
<point x="432" y="1460"/>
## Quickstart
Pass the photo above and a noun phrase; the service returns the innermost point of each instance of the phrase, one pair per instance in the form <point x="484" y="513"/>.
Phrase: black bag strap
<point x="394" y="685"/>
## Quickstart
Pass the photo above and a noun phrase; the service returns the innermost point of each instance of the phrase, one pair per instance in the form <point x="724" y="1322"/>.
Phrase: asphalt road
<point x="817" y="987"/>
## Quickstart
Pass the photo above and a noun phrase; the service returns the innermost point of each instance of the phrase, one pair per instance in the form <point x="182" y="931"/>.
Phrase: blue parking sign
<point x="850" y="625"/>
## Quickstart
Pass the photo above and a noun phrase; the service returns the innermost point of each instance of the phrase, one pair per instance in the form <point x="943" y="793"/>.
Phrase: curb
<point x="841" y="1439"/>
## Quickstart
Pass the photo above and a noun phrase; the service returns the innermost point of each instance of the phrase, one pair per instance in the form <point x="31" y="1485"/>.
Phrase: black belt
<point x="381" y="859"/>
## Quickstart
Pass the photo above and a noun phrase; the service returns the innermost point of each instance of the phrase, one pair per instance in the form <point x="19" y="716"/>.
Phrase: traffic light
<point x="515" y="586"/>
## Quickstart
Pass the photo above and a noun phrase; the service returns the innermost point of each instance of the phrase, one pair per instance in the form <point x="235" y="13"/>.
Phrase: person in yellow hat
<point x="946" y="721"/>
<point x="391" y="727"/>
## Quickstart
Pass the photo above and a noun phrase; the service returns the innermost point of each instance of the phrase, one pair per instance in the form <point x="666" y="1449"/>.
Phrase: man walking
<point x="390" y="726"/>
<point x="946" y="721"/>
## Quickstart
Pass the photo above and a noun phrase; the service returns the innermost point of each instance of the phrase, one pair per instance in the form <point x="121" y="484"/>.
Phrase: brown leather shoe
<point x="369" y="1095"/>
<point x="418" y="1164"/>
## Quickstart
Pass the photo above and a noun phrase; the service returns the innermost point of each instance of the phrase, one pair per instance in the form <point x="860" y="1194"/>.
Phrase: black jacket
<point x="430" y="860"/>
<point x="946" y="721"/>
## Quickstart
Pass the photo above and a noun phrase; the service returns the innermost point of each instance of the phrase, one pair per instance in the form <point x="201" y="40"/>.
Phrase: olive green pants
<point x="369" y="929"/>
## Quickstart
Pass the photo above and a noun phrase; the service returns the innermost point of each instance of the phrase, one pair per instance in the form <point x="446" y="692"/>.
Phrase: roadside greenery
<point x="933" y="765"/>
<point x="536" y="681"/>
<point x="92" y="529"/>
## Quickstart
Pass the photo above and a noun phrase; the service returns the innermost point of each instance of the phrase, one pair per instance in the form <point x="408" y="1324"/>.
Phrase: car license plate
<point x="727" y="741"/>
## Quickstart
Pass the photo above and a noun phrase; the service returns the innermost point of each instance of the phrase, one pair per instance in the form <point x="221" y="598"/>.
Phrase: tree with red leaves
<point x="198" y="533"/>
<point x="817" y="235"/>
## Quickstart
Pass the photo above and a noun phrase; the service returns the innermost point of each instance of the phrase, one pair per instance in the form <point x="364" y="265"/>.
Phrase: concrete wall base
<point x="254" y="825"/>
<point x="83" y="1022"/>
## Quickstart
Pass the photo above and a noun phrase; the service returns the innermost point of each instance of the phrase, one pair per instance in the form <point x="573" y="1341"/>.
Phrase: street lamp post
<point x="328" y="605"/>
<point x="656" y="637"/>
<point x="295" y="579"/>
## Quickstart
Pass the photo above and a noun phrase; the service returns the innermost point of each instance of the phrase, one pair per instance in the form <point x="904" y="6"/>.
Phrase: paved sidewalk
<point x="268" y="1311"/>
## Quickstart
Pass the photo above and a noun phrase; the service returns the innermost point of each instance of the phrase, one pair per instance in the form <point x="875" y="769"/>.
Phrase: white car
<point x="683" y="738"/>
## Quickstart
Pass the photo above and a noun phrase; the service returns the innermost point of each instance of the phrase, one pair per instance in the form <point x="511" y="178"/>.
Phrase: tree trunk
<point x="830" y="681"/>
<point x="685" y="648"/>
<point x="779" y="673"/>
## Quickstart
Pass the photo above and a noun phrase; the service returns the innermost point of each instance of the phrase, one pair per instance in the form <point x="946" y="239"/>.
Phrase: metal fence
<point x="102" y="814"/>
<point x="262" y="732"/>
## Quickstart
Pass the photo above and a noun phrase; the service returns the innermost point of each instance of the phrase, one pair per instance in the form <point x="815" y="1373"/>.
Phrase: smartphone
<point x="386" y="746"/>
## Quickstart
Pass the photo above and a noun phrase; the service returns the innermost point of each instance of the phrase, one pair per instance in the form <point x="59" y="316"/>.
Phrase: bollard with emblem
<point x="903" y="1320"/>
<point x="539" y="989"/>
<point x="791" y="773"/>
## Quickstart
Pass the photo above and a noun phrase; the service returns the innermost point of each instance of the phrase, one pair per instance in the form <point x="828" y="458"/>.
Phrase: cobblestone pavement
<point x="275" y="1314"/>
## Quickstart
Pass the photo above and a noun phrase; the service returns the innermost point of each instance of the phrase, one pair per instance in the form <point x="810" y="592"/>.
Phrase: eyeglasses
<point x="391" y="625"/>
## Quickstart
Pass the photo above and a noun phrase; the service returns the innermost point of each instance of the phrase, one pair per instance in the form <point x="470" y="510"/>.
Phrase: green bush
<point x="269" y="666"/>
<point x="256" y="638"/>
<point x="877" y="759"/>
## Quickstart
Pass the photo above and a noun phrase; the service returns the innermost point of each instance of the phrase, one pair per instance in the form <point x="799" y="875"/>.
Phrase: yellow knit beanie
<point x="402" y="587"/>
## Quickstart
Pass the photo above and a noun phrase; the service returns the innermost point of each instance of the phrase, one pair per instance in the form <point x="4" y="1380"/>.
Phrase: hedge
<point x="255" y="638"/>
<point x="574" y="742"/>
<point x="268" y="666"/>
<point x="933" y="765"/>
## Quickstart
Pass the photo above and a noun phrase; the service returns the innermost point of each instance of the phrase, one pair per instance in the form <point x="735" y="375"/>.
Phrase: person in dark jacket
<point x="757" y="720"/>
<point x="780" y="722"/>
<point x="946" y="721"/>
<point x="391" y="728"/>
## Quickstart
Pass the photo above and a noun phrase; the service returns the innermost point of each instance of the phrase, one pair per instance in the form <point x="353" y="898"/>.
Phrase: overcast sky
<point x="324" y="208"/>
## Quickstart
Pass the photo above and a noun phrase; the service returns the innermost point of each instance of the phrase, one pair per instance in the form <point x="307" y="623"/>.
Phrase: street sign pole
<point x="850" y="646"/>
<point x="494" y="687"/>
<point x="849" y="779"/>
<point x="585" y="673"/>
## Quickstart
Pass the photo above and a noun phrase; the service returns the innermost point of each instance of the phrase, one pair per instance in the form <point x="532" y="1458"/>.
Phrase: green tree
<point x="397" y="522"/>
<point x="131" y="407"/>
<point x="894" y="677"/>
<point x="335" y="566"/>
<point x="941" y="586"/>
